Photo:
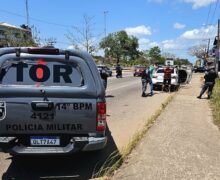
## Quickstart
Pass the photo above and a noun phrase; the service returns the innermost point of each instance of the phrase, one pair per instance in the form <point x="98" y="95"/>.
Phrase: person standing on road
<point x="145" y="78"/>
<point x="104" y="75"/>
<point x="151" y="71"/>
<point x="118" y="71"/>
<point x="167" y="76"/>
<point x="209" y="77"/>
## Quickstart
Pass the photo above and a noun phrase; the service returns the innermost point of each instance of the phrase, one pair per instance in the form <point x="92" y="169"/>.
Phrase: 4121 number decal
<point x="42" y="115"/>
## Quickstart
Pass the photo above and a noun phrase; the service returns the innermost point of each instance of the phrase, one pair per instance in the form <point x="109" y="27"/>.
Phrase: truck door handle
<point x="42" y="105"/>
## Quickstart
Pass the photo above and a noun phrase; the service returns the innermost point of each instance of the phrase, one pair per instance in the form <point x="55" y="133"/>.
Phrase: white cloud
<point x="145" y="44"/>
<point x="139" y="30"/>
<point x="189" y="38"/>
<point x="179" y="26"/>
<point x="181" y="44"/>
<point x="143" y="41"/>
<point x="208" y="32"/>
<point x="169" y="44"/>
<point x="199" y="3"/>
<point x="153" y="44"/>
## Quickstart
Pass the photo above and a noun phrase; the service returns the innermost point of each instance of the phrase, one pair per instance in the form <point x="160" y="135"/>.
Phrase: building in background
<point x="11" y="35"/>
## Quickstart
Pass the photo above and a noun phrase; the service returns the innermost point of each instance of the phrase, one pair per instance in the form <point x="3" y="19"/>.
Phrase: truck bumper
<point x="75" y="144"/>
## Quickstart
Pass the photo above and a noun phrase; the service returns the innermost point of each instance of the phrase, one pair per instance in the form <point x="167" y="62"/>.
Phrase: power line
<point x="35" y="19"/>
<point x="27" y="13"/>
<point x="105" y="12"/>
<point x="207" y="19"/>
<point x="15" y="14"/>
<point x="205" y="34"/>
<point x="212" y="19"/>
<point x="213" y="15"/>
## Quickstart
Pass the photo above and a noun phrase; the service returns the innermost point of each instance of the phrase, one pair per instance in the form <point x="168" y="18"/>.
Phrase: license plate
<point x="45" y="141"/>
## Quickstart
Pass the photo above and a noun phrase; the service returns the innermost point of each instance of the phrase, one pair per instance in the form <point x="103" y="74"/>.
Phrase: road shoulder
<point x="183" y="144"/>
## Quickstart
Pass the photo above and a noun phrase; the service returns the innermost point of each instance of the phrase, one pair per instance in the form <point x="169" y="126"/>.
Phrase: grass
<point x="215" y="103"/>
<point x="115" y="160"/>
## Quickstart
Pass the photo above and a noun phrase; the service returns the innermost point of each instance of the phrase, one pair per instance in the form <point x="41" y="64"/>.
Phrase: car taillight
<point x="43" y="51"/>
<point x="101" y="116"/>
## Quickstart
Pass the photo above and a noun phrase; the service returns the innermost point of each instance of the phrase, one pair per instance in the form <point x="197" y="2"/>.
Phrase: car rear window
<point x="40" y="72"/>
<point x="162" y="71"/>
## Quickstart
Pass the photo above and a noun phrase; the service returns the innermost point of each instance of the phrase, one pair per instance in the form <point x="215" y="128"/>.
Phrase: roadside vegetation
<point x="215" y="103"/>
<point x="115" y="160"/>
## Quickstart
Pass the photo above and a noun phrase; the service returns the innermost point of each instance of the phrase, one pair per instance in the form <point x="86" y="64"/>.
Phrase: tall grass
<point x="215" y="103"/>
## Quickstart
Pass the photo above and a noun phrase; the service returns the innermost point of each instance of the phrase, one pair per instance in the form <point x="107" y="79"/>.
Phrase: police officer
<point x="118" y="71"/>
<point x="209" y="77"/>
<point x="104" y="75"/>
<point x="152" y="68"/>
<point x="145" y="78"/>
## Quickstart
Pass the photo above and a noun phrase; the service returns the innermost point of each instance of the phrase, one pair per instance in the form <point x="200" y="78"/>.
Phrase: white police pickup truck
<point x="52" y="101"/>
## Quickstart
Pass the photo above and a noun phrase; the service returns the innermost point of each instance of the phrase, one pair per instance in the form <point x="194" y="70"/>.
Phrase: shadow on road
<point x="109" y="96"/>
<point x="77" y="166"/>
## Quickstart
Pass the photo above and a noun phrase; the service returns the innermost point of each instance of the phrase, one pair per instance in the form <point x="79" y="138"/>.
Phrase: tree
<point x="119" y="45"/>
<point x="168" y="55"/>
<point x="199" y="51"/>
<point x="179" y="61"/>
<point x="25" y="39"/>
<point x="155" y="55"/>
<point x="18" y="39"/>
<point x="132" y="46"/>
<point x="50" y="42"/>
<point x="83" y="36"/>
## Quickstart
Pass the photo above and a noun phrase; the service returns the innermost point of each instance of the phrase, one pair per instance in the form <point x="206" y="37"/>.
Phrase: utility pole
<point x="105" y="12"/>
<point x="208" y="48"/>
<point x="27" y="12"/>
<point x="217" y="59"/>
<point x="218" y="41"/>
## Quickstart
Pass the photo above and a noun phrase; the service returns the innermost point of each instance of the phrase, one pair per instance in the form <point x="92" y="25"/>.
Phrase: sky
<point x="173" y="25"/>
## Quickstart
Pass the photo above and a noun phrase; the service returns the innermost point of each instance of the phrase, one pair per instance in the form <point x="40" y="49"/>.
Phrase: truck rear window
<point x="40" y="72"/>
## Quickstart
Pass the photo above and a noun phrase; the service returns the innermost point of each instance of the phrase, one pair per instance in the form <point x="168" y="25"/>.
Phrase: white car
<point x="158" y="78"/>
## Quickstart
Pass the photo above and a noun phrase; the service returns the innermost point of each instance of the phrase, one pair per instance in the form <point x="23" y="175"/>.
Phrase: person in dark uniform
<point x="118" y="71"/>
<point x="104" y="76"/>
<point x="145" y="78"/>
<point x="209" y="77"/>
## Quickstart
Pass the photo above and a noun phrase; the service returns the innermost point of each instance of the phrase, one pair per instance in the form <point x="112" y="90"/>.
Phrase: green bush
<point x="215" y="103"/>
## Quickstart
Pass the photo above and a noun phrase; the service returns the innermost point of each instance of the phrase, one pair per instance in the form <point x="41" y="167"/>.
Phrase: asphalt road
<point x="127" y="111"/>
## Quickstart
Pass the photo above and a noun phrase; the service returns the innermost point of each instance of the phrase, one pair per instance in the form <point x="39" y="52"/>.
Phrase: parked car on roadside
<point x="158" y="78"/>
<point x="138" y="70"/>
<point x="200" y="69"/>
